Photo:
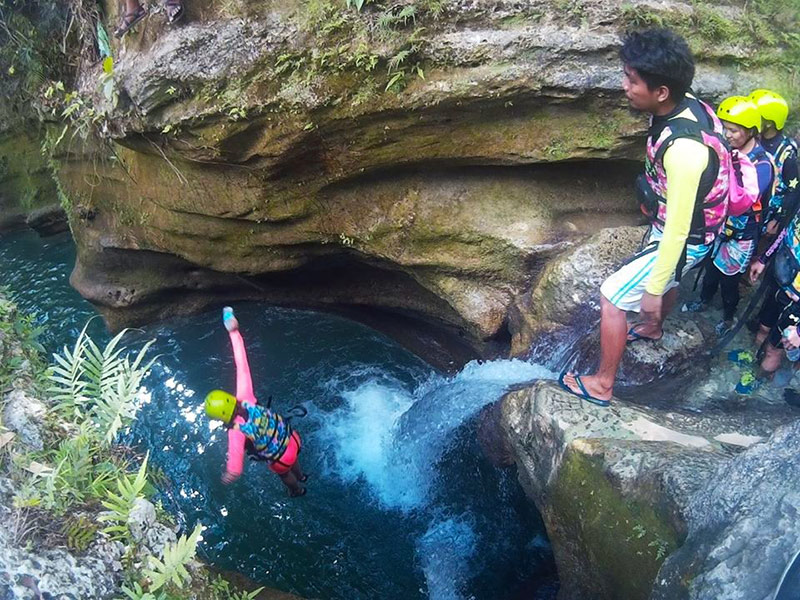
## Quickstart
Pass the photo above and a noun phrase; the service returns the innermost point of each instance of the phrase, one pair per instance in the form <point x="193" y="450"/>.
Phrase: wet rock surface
<point x="24" y="415"/>
<point x="742" y="526"/>
<point x="622" y="489"/>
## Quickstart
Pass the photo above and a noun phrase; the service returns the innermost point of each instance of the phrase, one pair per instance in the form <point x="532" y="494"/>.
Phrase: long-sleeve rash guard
<point x="244" y="393"/>
<point x="786" y="200"/>
<point x="684" y="163"/>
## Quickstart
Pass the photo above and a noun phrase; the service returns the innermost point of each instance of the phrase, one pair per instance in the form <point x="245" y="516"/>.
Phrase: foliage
<point x="138" y="593"/>
<point x="121" y="503"/>
<point x="77" y="475"/>
<point x="172" y="569"/>
<point x="99" y="385"/>
<point x="222" y="590"/>
<point x="79" y="531"/>
<point x="23" y="327"/>
<point x="31" y="35"/>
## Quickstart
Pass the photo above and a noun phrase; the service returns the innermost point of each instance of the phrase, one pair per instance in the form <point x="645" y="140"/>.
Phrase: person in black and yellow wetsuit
<point x="774" y="111"/>
<point x="684" y="171"/>
<point x="783" y="206"/>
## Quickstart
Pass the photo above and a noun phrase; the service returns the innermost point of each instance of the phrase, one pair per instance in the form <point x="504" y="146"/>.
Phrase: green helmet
<point x="220" y="405"/>
<point x="771" y="106"/>
<point x="740" y="110"/>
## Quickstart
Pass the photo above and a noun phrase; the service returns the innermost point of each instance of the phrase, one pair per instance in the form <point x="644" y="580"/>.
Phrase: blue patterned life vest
<point x="267" y="431"/>
<point x="786" y="150"/>
<point x="745" y="227"/>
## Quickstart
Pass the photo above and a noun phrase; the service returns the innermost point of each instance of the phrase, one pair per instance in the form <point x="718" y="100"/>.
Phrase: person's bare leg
<point x="297" y="471"/>
<point x="761" y="335"/>
<point x="290" y="481"/>
<point x="670" y="300"/>
<point x="613" y="330"/>
<point x="654" y="328"/>
<point x="134" y="12"/>
<point x="771" y="361"/>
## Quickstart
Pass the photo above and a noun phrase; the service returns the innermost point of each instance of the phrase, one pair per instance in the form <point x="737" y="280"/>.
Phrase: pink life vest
<point x="712" y="195"/>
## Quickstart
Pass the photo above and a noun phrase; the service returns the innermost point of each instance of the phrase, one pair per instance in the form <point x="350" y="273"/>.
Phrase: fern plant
<point x="79" y="532"/>
<point x="99" y="385"/>
<point x="120" y="504"/>
<point x="172" y="569"/>
<point x="138" y="593"/>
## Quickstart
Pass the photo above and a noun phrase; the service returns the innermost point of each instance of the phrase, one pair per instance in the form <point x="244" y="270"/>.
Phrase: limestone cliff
<point x="422" y="160"/>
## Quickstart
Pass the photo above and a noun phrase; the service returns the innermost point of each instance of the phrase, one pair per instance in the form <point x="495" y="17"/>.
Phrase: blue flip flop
<point x="639" y="337"/>
<point x="583" y="394"/>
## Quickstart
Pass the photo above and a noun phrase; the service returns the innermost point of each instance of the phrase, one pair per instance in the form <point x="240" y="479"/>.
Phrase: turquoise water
<point x="401" y="502"/>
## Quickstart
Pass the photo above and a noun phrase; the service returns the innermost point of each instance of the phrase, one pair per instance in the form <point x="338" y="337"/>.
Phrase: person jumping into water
<point x="263" y="433"/>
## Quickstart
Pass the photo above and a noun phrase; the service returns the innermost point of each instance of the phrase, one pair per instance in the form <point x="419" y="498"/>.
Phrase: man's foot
<point x="129" y="20"/>
<point x="694" y="306"/>
<point x="174" y="10"/>
<point x="230" y="322"/>
<point x="645" y="333"/>
<point x="586" y="388"/>
<point x="297" y="493"/>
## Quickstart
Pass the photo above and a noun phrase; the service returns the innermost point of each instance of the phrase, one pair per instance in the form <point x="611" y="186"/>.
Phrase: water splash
<point x="444" y="552"/>
<point x="392" y="438"/>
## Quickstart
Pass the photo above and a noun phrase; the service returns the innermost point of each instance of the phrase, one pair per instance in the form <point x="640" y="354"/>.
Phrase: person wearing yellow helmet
<point x="264" y="434"/>
<point x="737" y="243"/>
<point x="774" y="111"/>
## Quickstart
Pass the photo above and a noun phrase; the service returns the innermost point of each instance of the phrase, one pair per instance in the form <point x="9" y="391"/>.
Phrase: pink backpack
<point x="743" y="190"/>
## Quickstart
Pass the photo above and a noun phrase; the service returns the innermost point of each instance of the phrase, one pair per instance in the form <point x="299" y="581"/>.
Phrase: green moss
<point x="767" y="27"/>
<point x="627" y="540"/>
<point x="25" y="179"/>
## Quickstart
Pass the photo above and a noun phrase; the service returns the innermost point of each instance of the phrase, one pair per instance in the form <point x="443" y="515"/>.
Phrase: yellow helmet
<point x="740" y="110"/>
<point x="771" y="106"/>
<point x="220" y="405"/>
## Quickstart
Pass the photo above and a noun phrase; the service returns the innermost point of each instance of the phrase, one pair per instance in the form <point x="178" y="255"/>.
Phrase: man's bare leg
<point x="613" y="330"/>
<point x="771" y="361"/>
<point x="654" y="327"/>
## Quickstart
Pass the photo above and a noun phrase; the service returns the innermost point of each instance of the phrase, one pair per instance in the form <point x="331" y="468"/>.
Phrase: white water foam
<point x="444" y="552"/>
<point x="392" y="438"/>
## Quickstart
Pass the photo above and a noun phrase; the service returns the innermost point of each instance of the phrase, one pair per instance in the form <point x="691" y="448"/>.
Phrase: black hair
<point x="660" y="57"/>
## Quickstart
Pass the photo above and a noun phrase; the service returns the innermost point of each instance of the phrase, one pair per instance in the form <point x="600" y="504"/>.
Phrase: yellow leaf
<point x="108" y="64"/>
<point x="37" y="468"/>
<point x="6" y="437"/>
<point x="11" y="70"/>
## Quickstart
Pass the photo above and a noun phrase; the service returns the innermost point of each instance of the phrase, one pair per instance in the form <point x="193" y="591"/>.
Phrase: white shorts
<point x="625" y="288"/>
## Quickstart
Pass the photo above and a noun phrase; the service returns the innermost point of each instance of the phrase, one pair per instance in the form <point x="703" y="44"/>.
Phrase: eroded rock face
<point x="29" y="573"/>
<point x="621" y="488"/>
<point x="742" y="526"/>
<point x="24" y="414"/>
<point x="259" y="158"/>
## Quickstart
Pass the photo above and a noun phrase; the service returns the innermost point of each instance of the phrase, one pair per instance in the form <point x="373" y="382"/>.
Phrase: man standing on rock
<point x="683" y="191"/>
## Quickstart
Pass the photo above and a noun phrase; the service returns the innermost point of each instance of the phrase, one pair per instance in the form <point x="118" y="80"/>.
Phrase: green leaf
<point x="175" y="558"/>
